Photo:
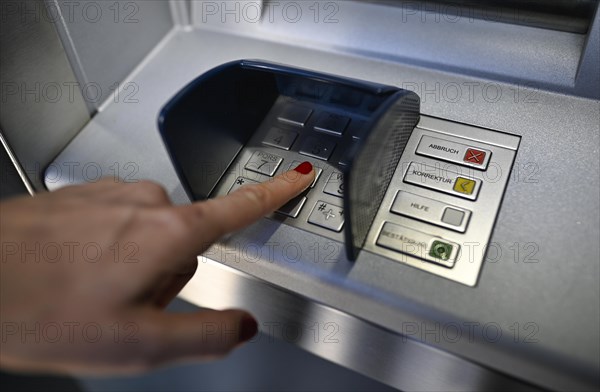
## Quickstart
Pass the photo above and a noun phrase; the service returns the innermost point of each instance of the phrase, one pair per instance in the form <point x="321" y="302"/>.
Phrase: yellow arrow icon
<point x="464" y="185"/>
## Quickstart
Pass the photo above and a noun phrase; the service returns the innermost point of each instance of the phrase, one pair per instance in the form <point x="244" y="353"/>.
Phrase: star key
<point x="240" y="182"/>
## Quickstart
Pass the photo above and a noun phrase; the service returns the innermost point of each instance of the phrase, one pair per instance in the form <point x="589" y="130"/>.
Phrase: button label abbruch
<point x="458" y="153"/>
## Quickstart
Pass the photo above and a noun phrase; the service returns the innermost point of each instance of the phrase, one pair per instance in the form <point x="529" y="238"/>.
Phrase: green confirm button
<point x="440" y="250"/>
<point x="418" y="244"/>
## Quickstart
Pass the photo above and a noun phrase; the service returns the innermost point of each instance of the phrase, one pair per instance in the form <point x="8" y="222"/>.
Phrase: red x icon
<point x="475" y="156"/>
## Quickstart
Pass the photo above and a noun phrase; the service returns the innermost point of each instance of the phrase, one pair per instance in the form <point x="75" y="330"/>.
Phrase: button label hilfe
<point x="430" y="211"/>
<point x="264" y="163"/>
<point x="459" y="153"/>
<point x="442" y="180"/>
<point x="418" y="244"/>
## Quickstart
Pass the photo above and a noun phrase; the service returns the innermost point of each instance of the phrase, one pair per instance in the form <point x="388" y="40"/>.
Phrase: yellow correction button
<point x="464" y="185"/>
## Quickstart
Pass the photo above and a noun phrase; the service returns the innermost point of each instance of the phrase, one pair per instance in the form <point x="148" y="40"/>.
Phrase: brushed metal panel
<point x="42" y="109"/>
<point x="409" y="32"/>
<point x="394" y="359"/>
<point x="556" y="288"/>
<point x="106" y="40"/>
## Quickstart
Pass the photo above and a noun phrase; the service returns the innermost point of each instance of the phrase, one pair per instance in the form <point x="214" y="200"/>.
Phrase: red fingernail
<point x="248" y="328"/>
<point x="304" y="168"/>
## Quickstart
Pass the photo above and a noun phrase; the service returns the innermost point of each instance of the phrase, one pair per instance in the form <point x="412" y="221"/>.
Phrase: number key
<point x="317" y="148"/>
<point x="335" y="185"/>
<point x="264" y="163"/>
<point x="280" y="138"/>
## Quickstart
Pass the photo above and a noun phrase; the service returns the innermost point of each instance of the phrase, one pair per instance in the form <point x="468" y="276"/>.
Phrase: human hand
<point x="87" y="270"/>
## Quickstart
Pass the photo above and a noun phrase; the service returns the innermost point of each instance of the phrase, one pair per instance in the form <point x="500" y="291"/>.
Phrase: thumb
<point x="169" y="337"/>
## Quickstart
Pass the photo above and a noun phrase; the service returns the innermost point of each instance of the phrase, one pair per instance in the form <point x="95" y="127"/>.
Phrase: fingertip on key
<point x="304" y="168"/>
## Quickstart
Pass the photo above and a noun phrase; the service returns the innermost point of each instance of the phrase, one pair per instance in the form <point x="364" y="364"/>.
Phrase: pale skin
<point x="87" y="270"/>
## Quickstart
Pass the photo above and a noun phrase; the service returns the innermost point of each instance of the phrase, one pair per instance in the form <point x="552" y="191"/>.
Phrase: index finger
<point x="216" y="217"/>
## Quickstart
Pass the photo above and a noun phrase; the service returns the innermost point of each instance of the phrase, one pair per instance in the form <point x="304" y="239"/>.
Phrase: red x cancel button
<point x="454" y="151"/>
<point x="475" y="156"/>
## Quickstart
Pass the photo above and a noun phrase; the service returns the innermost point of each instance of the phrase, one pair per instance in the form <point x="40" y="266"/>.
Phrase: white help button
<point x="431" y="211"/>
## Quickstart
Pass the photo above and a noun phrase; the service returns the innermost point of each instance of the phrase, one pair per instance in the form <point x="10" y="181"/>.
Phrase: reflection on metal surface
<point x="562" y="15"/>
<point x="42" y="109"/>
<point x="16" y="165"/>
<point x="388" y="357"/>
<point x="565" y="356"/>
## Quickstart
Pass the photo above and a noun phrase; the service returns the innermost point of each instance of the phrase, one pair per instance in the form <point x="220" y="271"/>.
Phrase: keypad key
<point x="348" y="154"/>
<point x="335" y="185"/>
<point x="293" y="207"/>
<point x="327" y="215"/>
<point x="357" y="129"/>
<point x="280" y="138"/>
<point x="240" y="182"/>
<point x="316" y="147"/>
<point x="318" y="171"/>
<point x="295" y="115"/>
<point x="334" y="124"/>
<point x="264" y="163"/>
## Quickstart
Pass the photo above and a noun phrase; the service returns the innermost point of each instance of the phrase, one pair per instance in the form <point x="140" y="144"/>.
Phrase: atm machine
<point x="450" y="241"/>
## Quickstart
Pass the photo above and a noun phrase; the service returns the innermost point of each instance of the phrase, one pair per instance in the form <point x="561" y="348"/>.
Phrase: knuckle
<point x="152" y="189"/>
<point x="199" y="213"/>
<point x="169" y="220"/>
